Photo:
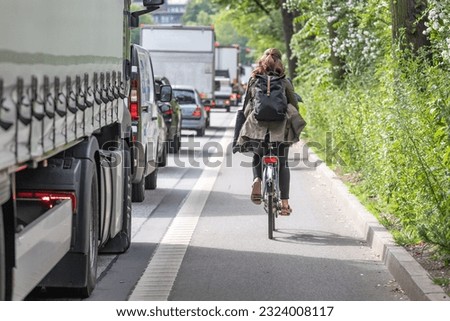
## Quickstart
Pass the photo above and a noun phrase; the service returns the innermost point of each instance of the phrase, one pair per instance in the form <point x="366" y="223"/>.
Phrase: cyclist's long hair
<point x="269" y="63"/>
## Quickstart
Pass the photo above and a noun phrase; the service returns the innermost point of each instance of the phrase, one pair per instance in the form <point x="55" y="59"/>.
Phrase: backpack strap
<point x="268" y="86"/>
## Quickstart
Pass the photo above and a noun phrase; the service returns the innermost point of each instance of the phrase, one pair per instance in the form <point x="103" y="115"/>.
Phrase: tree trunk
<point x="408" y="24"/>
<point x="288" y="31"/>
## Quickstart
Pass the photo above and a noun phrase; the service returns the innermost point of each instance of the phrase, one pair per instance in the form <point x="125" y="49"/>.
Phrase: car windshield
<point x="184" y="96"/>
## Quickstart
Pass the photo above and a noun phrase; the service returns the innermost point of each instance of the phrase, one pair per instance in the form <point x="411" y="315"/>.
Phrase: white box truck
<point x="65" y="165"/>
<point x="227" y="60"/>
<point x="183" y="54"/>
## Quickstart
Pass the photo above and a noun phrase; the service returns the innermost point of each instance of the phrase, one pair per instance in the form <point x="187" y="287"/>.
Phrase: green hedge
<point x="392" y="131"/>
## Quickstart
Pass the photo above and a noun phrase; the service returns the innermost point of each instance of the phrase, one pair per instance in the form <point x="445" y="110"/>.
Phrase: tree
<point x="197" y="12"/>
<point x="408" y="24"/>
<point x="270" y="13"/>
<point x="288" y="31"/>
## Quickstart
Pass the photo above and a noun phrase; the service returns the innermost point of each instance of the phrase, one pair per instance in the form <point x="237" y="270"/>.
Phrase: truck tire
<point x="2" y="259"/>
<point x="138" y="191"/>
<point x="151" y="180"/>
<point x="90" y="269"/>
<point x="122" y="241"/>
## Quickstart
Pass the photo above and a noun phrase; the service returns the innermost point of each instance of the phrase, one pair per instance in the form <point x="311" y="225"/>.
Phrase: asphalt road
<point x="198" y="237"/>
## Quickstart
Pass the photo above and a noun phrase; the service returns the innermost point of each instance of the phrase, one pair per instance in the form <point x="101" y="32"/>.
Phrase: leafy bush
<point x="391" y="111"/>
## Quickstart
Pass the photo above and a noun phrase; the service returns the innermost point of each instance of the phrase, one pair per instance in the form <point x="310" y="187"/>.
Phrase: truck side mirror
<point x="148" y="3"/>
<point x="165" y="93"/>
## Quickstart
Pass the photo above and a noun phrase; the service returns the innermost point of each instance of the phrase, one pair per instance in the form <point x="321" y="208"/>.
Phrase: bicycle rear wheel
<point x="270" y="211"/>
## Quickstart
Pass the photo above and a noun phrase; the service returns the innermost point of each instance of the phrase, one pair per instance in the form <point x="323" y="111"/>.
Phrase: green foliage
<point x="260" y="23"/>
<point x="226" y="33"/>
<point x="441" y="281"/>
<point x="200" y="13"/>
<point x="391" y="113"/>
<point x="239" y="22"/>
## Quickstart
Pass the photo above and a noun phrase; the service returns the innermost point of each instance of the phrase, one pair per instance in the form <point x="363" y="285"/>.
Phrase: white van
<point x="148" y="126"/>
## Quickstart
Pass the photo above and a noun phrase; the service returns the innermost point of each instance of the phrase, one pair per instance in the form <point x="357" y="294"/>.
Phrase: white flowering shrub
<point x="438" y="28"/>
<point x="360" y="30"/>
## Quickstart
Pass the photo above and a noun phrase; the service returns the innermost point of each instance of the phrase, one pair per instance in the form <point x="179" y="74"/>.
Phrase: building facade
<point x="171" y="12"/>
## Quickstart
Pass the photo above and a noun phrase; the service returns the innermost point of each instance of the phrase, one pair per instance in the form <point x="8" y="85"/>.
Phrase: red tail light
<point x="134" y="111"/>
<point x="270" y="160"/>
<point x="48" y="198"/>
<point x="134" y="100"/>
<point x="168" y="112"/>
<point x="197" y="112"/>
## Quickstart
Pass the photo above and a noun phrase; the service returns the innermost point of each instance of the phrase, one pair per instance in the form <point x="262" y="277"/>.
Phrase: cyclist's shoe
<point x="285" y="210"/>
<point x="256" y="191"/>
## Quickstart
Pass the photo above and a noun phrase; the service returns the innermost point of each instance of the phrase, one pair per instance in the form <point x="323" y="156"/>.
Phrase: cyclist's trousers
<point x="282" y="151"/>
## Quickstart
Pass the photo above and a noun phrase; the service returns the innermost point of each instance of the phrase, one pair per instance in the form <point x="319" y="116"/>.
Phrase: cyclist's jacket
<point x="287" y="130"/>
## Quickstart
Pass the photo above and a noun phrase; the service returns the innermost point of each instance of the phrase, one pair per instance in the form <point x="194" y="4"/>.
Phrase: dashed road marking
<point x="159" y="276"/>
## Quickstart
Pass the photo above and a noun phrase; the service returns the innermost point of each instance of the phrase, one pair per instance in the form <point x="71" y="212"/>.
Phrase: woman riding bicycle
<point x="255" y="135"/>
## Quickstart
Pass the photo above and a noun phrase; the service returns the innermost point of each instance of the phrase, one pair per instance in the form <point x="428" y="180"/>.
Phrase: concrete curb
<point x="409" y="274"/>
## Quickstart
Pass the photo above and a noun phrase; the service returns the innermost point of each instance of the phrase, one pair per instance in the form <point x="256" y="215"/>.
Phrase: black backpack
<point x="270" y="102"/>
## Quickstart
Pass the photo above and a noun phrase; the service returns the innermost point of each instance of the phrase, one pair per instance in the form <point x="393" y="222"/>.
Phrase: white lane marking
<point x="159" y="276"/>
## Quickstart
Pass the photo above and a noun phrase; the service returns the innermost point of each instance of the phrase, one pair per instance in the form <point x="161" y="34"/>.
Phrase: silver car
<point x="193" y="113"/>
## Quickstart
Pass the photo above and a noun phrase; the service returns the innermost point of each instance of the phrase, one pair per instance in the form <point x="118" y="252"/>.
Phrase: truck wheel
<point x="2" y="259"/>
<point x="151" y="180"/>
<point x="138" y="192"/>
<point x="121" y="242"/>
<point x="93" y="210"/>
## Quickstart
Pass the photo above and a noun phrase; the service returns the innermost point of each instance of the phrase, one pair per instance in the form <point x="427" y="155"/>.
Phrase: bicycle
<point x="271" y="189"/>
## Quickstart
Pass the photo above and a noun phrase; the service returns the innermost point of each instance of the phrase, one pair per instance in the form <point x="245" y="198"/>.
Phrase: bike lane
<point x="316" y="254"/>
